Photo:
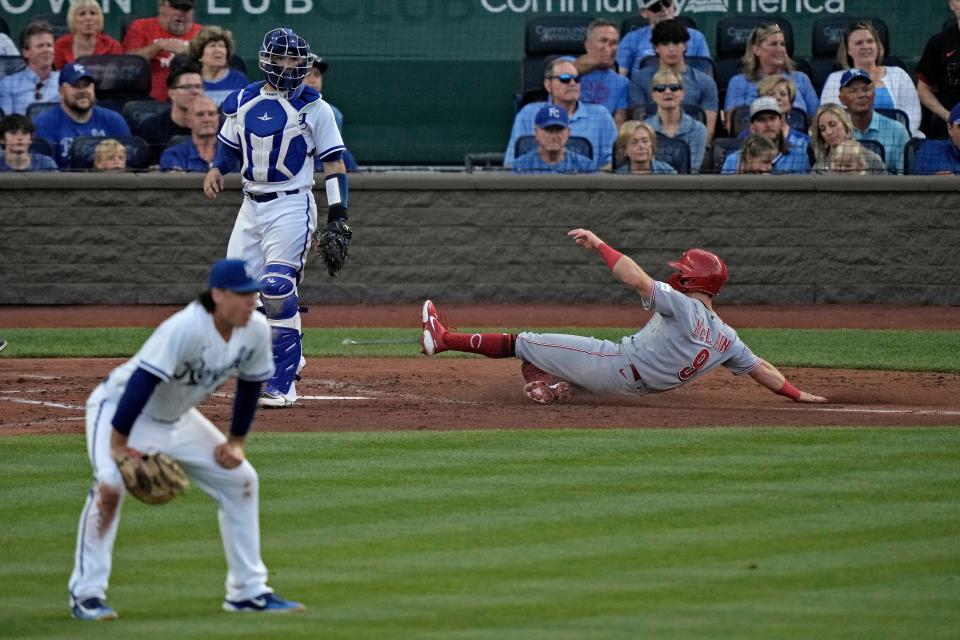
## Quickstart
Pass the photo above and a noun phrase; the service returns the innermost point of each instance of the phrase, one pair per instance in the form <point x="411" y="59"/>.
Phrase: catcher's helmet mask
<point x="698" y="270"/>
<point x="284" y="43"/>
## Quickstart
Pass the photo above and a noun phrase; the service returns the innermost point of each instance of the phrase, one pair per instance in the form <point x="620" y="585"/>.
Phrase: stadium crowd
<point x="646" y="96"/>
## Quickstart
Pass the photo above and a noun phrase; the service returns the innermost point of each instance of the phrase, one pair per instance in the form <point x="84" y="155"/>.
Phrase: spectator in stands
<point x="185" y="85"/>
<point x="848" y="157"/>
<point x="637" y="149"/>
<point x="16" y="133"/>
<point x="86" y="37"/>
<point x="590" y="121"/>
<point x="599" y="83"/>
<point x="861" y="48"/>
<point x="551" y="155"/>
<point x="756" y="155"/>
<point x="638" y="44"/>
<point x="36" y="83"/>
<point x="938" y="76"/>
<point x="671" y="121"/>
<point x="766" y="55"/>
<point x="7" y="46"/>
<point x="318" y="69"/>
<point x="198" y="152"/>
<point x="831" y="126"/>
<point x="110" y="155"/>
<point x="211" y="49"/>
<point x="767" y="121"/>
<point x="77" y="114"/>
<point x="784" y="92"/>
<point x="856" y="94"/>
<point x="670" y="39"/>
<point x="941" y="157"/>
<point x="159" y="39"/>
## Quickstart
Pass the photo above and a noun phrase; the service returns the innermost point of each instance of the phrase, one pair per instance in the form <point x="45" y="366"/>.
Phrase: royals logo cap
<point x="233" y="275"/>
<point x="854" y="74"/>
<point x="552" y="116"/>
<point x="74" y="73"/>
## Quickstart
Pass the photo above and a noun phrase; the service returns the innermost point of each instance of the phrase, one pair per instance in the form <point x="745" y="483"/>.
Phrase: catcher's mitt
<point x="153" y="479"/>
<point x="332" y="243"/>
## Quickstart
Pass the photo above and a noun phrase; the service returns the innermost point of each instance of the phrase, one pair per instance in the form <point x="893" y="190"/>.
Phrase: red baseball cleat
<point x="540" y="391"/>
<point x="433" y="331"/>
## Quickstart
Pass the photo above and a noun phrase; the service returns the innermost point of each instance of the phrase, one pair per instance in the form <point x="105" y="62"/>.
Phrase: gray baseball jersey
<point x="682" y="341"/>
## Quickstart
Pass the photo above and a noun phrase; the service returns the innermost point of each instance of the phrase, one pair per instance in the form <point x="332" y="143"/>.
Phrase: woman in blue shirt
<point x="766" y="55"/>
<point x="636" y="150"/>
<point x="211" y="49"/>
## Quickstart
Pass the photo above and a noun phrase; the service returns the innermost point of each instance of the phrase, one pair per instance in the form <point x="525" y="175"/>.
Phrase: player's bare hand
<point x="586" y="239"/>
<point x="212" y="183"/>
<point x="809" y="397"/>
<point x="228" y="455"/>
<point x="118" y="453"/>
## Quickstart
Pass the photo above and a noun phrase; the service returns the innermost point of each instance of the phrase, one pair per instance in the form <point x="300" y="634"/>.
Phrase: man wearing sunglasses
<point x="670" y="38"/>
<point x="590" y="121"/>
<point x="599" y="83"/>
<point x="38" y="82"/>
<point x="637" y="44"/>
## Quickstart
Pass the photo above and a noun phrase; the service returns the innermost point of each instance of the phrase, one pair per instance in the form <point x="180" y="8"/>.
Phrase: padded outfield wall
<point x="150" y="238"/>
<point x="426" y="81"/>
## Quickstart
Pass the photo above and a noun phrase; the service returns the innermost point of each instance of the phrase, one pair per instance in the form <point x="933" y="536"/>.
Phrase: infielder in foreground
<point x="148" y="405"/>
<point x="684" y="339"/>
<point x="274" y="129"/>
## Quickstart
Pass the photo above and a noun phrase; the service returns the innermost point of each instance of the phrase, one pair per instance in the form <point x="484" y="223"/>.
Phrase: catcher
<point x="145" y="437"/>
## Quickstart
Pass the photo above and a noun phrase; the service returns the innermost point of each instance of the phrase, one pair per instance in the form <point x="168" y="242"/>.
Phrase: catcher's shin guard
<point x="287" y="352"/>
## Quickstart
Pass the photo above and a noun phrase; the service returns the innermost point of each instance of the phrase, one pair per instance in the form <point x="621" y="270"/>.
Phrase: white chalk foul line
<point x="921" y="412"/>
<point x="227" y="395"/>
<point x="56" y="405"/>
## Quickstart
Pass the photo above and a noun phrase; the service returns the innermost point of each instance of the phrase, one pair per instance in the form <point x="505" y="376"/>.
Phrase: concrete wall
<point x="150" y="238"/>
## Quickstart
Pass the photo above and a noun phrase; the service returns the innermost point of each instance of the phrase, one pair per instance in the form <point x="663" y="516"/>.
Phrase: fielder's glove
<point x="332" y="243"/>
<point x="153" y="479"/>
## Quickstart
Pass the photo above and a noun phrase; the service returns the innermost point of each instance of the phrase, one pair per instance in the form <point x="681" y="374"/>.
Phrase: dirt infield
<point x="47" y="395"/>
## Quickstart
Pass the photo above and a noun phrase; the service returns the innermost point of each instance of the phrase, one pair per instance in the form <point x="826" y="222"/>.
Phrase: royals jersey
<point x="683" y="339"/>
<point x="278" y="137"/>
<point x="192" y="360"/>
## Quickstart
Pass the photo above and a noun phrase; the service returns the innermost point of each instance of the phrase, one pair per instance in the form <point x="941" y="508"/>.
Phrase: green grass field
<point x="701" y="533"/>
<point x="697" y="533"/>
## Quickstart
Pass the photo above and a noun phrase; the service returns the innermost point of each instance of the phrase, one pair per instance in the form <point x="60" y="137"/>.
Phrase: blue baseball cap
<point x="552" y="116"/>
<point x="233" y="275"/>
<point x="74" y="73"/>
<point x="852" y="74"/>
<point x="955" y="114"/>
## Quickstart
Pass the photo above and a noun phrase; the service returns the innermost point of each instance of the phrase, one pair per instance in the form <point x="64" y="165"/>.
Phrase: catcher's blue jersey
<point x="278" y="137"/>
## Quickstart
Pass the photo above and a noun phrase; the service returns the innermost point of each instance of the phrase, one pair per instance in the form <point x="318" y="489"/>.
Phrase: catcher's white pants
<point x="190" y="441"/>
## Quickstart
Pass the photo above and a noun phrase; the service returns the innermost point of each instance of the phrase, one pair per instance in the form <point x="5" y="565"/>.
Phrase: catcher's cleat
<point x="540" y="391"/>
<point x="274" y="399"/>
<point x="264" y="603"/>
<point x="433" y="331"/>
<point x="91" y="609"/>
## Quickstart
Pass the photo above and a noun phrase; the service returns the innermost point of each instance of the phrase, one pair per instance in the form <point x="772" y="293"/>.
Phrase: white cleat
<point x="273" y="399"/>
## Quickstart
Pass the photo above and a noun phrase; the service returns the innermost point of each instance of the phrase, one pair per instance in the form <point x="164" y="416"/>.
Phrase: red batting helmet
<point x="698" y="270"/>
